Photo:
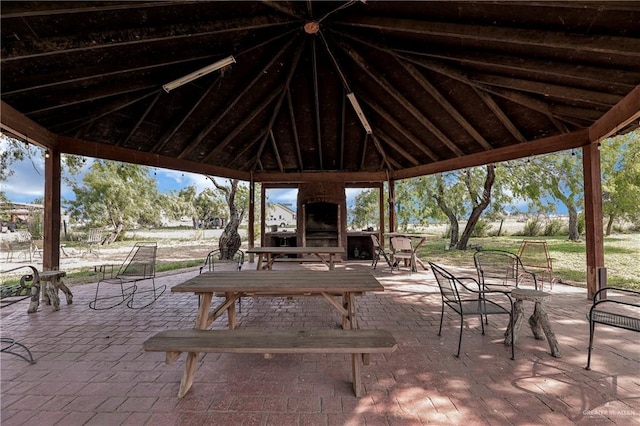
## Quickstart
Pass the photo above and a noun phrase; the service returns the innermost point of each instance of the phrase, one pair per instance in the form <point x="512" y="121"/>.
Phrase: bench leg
<point x="189" y="370"/>
<point x="357" y="383"/>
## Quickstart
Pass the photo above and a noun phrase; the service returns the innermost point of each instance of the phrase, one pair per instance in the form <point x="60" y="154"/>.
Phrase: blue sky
<point x="27" y="183"/>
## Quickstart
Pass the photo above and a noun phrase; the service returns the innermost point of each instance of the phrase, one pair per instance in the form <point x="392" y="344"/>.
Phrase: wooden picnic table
<point x="234" y="284"/>
<point x="268" y="255"/>
<point x="421" y="240"/>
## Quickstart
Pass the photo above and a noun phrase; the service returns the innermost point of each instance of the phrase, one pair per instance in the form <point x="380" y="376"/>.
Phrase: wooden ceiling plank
<point x="244" y="123"/>
<point x="218" y="118"/>
<point x="111" y="94"/>
<point x="294" y="131"/>
<point x="429" y="88"/>
<point x="500" y="114"/>
<point x="618" y="117"/>
<point x="247" y="147"/>
<point x="168" y="134"/>
<point x="275" y="150"/>
<point x="400" y="128"/>
<point x="383" y="83"/>
<point x="316" y="99"/>
<point x="548" y="145"/>
<point x="140" y="121"/>
<point x="115" y="106"/>
<point x="445" y="104"/>
<point x="93" y="9"/>
<point x="545" y="89"/>
<point x="378" y="145"/>
<point x="504" y="36"/>
<point x="294" y="64"/>
<point x="343" y="125"/>
<point x="363" y="153"/>
<point x="539" y="70"/>
<point x="282" y="7"/>
<point x="390" y="142"/>
<point x="142" y="42"/>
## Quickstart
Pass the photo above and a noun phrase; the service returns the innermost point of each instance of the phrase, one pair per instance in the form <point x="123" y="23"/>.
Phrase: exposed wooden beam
<point x="400" y="128"/>
<point x="294" y="131"/>
<point x="168" y="134"/>
<point x="109" y="152"/>
<point x="578" y="75"/>
<point x="241" y="154"/>
<point x="445" y="104"/>
<point x="320" y="176"/>
<point x="140" y="121"/>
<point x="22" y="127"/>
<point x="94" y="8"/>
<point x="294" y="64"/>
<point x="565" y="93"/>
<point x="316" y="100"/>
<point x="112" y="107"/>
<point x="618" y="117"/>
<point x="593" y="215"/>
<point x="244" y="123"/>
<point x="283" y="8"/>
<point x="384" y="84"/>
<point x="383" y="154"/>
<point x="429" y="88"/>
<point x="275" y="150"/>
<point x="144" y="42"/>
<point x="227" y="108"/>
<point x="570" y="43"/>
<point x="397" y="147"/>
<point x="500" y="114"/>
<point x="93" y="98"/>
<point x="572" y="140"/>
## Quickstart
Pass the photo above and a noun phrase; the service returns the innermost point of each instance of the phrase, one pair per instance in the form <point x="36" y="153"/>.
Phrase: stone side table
<point x="51" y="284"/>
<point x="539" y="321"/>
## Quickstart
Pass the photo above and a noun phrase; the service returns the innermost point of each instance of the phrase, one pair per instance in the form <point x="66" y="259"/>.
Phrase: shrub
<point x="553" y="227"/>
<point x="481" y="229"/>
<point x="532" y="228"/>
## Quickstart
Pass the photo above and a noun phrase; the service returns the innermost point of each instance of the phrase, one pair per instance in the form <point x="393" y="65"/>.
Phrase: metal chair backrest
<point x="446" y="283"/>
<point x="140" y="264"/>
<point x="375" y="241"/>
<point x="499" y="268"/>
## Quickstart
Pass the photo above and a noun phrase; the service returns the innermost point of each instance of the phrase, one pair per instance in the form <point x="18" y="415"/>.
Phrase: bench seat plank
<point x="272" y="341"/>
<point x="354" y="342"/>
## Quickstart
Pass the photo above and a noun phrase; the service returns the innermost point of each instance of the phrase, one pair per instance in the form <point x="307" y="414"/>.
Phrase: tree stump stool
<point x="539" y="321"/>
<point x="51" y="284"/>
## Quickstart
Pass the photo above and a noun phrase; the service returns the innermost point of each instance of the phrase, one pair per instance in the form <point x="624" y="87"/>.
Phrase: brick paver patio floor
<point x="91" y="369"/>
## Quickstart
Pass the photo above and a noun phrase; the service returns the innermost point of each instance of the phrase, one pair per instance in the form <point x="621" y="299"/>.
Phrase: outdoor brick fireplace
<point x="322" y="215"/>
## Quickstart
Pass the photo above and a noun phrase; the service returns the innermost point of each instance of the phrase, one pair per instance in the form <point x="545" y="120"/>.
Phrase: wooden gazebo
<point x="299" y="92"/>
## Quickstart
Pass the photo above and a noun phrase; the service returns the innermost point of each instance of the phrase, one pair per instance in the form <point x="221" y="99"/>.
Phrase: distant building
<point x="279" y="215"/>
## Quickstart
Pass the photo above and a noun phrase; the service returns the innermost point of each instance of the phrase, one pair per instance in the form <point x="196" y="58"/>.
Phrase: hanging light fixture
<point x="199" y="73"/>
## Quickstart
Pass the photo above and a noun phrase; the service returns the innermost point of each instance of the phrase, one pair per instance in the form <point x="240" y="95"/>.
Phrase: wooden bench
<point x="354" y="342"/>
<point x="614" y="312"/>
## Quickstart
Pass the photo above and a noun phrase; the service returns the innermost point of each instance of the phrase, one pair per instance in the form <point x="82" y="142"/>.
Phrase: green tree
<point x="365" y="209"/>
<point x="237" y="198"/>
<point x="120" y="195"/>
<point x="620" y="158"/>
<point x="557" y="176"/>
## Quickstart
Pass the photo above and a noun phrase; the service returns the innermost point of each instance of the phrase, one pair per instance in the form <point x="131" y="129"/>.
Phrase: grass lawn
<point x="622" y="256"/>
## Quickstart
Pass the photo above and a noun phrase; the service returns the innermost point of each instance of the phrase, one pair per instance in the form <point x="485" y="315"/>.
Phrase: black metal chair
<point x="468" y="301"/>
<point x="215" y="258"/>
<point x="378" y="251"/>
<point x="502" y="270"/>
<point x="27" y="287"/>
<point x="139" y="266"/>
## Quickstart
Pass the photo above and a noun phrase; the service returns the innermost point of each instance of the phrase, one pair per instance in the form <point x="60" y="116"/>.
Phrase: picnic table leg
<point x="192" y="357"/>
<point x="231" y="311"/>
<point x="355" y="367"/>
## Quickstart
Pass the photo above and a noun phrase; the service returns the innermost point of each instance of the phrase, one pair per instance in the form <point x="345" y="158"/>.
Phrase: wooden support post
<point x="593" y="215"/>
